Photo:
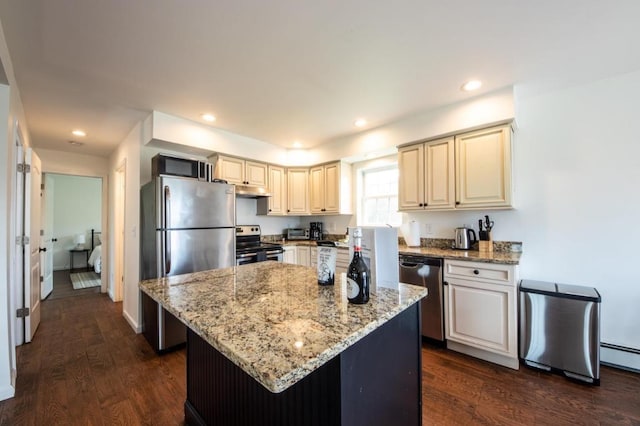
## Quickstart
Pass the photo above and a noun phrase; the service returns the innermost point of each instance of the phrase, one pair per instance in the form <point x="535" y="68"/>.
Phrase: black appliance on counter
<point x="249" y="248"/>
<point x="427" y="272"/>
<point x="315" y="231"/>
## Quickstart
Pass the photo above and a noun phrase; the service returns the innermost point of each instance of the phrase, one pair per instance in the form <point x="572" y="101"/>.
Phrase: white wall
<point x="7" y="351"/>
<point x="576" y="165"/>
<point x="77" y="209"/>
<point x="128" y="154"/>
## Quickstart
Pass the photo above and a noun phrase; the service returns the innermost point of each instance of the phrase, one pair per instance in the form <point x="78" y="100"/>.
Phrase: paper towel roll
<point x="411" y="233"/>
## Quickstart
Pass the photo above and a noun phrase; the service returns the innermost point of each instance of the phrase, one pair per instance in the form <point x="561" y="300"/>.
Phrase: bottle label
<point x="352" y="288"/>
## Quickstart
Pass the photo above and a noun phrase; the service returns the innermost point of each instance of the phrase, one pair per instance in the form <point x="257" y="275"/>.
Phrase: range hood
<point x="249" y="191"/>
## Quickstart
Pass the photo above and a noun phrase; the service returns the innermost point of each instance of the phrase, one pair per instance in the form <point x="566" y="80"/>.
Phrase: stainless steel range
<point x="249" y="248"/>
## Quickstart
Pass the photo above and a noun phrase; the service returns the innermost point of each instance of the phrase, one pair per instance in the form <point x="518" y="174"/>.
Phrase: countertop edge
<point x="281" y="384"/>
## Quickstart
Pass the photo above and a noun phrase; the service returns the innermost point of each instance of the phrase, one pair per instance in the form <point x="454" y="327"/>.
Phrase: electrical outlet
<point x="428" y="229"/>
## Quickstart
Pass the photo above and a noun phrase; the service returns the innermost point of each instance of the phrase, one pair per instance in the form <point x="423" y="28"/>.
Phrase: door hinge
<point x="22" y="240"/>
<point x="22" y="312"/>
<point x="24" y="168"/>
<point x="42" y="186"/>
<point x="42" y="232"/>
<point x="41" y="278"/>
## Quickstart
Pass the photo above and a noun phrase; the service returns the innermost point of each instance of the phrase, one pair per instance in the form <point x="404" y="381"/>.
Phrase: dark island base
<point x="374" y="382"/>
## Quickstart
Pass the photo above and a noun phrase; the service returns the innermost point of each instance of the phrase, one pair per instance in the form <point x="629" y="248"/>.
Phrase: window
<point x="379" y="203"/>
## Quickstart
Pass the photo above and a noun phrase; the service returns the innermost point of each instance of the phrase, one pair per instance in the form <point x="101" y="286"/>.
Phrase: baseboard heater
<point x="621" y="357"/>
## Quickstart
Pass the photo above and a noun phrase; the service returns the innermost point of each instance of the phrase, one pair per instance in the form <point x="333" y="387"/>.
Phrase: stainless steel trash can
<point x="560" y="329"/>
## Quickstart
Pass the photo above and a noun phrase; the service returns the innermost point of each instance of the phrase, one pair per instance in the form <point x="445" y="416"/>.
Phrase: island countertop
<point x="272" y="319"/>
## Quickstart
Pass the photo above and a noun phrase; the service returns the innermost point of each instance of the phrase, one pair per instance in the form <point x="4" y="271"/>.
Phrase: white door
<point x="46" y="242"/>
<point x="119" y="227"/>
<point x="32" y="196"/>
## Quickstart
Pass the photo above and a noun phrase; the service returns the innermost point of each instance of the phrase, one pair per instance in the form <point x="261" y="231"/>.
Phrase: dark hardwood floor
<point x="62" y="286"/>
<point x="87" y="367"/>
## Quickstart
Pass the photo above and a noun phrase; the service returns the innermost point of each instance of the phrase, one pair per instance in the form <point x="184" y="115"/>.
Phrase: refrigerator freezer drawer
<point x="561" y="333"/>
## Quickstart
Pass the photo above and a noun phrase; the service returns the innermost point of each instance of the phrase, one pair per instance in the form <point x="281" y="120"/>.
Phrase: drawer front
<point x="496" y="273"/>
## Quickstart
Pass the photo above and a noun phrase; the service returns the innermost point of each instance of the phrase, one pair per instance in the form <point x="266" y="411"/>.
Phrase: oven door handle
<point x="276" y="251"/>
<point x="241" y="256"/>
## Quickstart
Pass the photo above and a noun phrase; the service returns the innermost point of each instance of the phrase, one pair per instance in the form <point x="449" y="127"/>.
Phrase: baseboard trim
<point x="132" y="323"/>
<point x="7" y="392"/>
<point x="620" y="357"/>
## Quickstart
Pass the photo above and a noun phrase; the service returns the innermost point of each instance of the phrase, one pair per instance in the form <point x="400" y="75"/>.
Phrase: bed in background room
<point x="95" y="260"/>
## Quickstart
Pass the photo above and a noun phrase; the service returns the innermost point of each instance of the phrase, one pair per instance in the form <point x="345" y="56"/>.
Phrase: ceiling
<point x="286" y="70"/>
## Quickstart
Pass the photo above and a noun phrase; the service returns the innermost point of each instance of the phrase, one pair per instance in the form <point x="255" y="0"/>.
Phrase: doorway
<point x="73" y="210"/>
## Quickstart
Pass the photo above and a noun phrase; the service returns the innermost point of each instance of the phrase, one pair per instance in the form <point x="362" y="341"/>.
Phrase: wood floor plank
<point x="87" y="367"/>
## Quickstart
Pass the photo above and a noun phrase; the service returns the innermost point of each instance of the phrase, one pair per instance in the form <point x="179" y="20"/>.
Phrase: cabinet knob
<point x="288" y="210"/>
<point x="269" y="209"/>
<point x="457" y="202"/>
<point x="40" y="249"/>
<point x="445" y="283"/>
<point x="420" y="205"/>
<point x="476" y="272"/>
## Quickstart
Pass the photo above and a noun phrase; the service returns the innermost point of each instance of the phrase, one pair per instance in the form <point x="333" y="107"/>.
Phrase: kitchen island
<point x="267" y="345"/>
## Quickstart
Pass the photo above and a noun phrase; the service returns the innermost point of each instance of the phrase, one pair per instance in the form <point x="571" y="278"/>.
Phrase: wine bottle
<point x="358" y="274"/>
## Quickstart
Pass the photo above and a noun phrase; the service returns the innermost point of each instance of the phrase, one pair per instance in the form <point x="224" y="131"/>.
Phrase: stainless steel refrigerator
<point x="187" y="226"/>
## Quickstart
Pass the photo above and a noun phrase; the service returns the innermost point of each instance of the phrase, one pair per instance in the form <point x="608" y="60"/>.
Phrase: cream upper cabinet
<point x="483" y="164"/>
<point x="330" y="188"/>
<point x="240" y="172"/>
<point x="469" y="171"/>
<point x="276" y="204"/>
<point x="298" y="191"/>
<point x="427" y="176"/>
<point x="316" y="189"/>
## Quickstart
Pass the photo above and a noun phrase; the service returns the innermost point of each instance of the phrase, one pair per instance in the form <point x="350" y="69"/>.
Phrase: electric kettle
<point x="465" y="238"/>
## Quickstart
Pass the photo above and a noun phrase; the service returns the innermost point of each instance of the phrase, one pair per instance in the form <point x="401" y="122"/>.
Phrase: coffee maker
<point x="315" y="230"/>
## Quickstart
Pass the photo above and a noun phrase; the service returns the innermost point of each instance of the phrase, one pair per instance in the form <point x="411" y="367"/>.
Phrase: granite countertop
<point x="272" y="319"/>
<point x="505" y="258"/>
<point x="500" y="257"/>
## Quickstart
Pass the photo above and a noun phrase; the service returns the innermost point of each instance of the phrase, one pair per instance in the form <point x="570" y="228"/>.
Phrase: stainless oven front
<point x="259" y="256"/>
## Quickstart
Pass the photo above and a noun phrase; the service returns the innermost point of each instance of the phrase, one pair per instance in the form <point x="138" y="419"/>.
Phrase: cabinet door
<point x="332" y="188"/>
<point x="230" y="169"/>
<point x="302" y="255"/>
<point x="297" y="191"/>
<point x="411" y="177"/>
<point x="483" y="167"/>
<point x="255" y="173"/>
<point x="316" y="189"/>
<point x="278" y="190"/>
<point x="439" y="163"/>
<point x="481" y="315"/>
<point x="289" y="255"/>
<point x="313" y="257"/>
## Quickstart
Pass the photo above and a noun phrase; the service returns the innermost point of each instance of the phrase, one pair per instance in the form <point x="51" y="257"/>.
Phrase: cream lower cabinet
<point x="302" y="255"/>
<point x="289" y="255"/>
<point x="481" y="310"/>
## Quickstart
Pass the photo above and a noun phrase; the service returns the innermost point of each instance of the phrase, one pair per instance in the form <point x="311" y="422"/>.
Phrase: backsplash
<point x="446" y="243"/>
<point x="438" y="243"/>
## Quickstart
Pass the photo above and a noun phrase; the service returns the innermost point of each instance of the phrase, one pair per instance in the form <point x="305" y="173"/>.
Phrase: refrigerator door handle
<point x="167" y="238"/>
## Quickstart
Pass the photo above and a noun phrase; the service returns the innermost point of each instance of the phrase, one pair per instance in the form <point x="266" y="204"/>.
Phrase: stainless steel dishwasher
<point x="426" y="272"/>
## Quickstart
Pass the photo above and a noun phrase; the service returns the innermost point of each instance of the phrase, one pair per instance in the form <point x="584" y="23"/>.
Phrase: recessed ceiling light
<point x="76" y="143"/>
<point x="209" y="117"/>
<point x="360" y="122"/>
<point x="79" y="132"/>
<point x="297" y="144"/>
<point x="471" y="85"/>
